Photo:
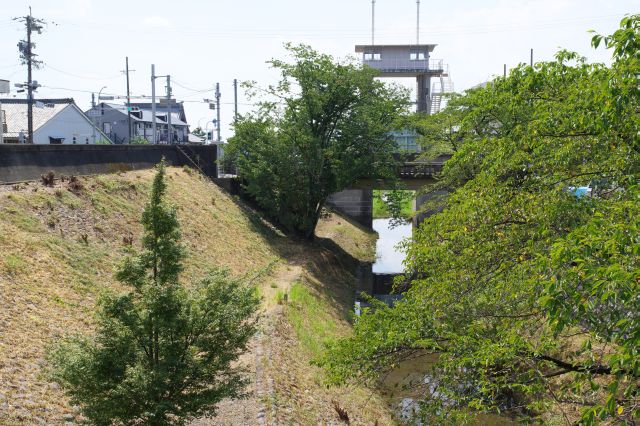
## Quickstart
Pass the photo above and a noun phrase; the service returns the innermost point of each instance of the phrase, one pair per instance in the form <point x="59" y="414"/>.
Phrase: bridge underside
<point x="357" y="202"/>
<point x="413" y="184"/>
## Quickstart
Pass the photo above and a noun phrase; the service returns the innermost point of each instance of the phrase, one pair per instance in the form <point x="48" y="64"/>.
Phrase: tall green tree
<point x="527" y="291"/>
<point x="324" y="126"/>
<point x="162" y="353"/>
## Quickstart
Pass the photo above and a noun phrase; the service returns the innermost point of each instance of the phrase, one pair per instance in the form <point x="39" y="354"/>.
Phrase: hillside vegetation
<point x="60" y="246"/>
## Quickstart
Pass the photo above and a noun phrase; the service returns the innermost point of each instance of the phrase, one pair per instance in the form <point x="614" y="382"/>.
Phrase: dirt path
<point x="255" y="409"/>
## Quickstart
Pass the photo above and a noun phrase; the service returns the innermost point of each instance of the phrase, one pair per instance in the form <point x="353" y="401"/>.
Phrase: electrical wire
<point x="177" y="83"/>
<point x="80" y="76"/>
<point x="340" y="33"/>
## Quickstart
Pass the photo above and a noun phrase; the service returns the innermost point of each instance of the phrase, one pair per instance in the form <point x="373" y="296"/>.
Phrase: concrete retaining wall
<point x="355" y="203"/>
<point x="28" y="162"/>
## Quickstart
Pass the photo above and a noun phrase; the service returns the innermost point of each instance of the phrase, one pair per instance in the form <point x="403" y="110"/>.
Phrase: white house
<point x="55" y="121"/>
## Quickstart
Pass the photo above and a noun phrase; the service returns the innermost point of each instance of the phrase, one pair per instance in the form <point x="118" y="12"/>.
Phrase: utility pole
<point x="126" y="71"/>
<point x="218" y="109"/>
<point x="93" y="111"/>
<point x="153" y="102"/>
<point x="26" y="54"/>
<point x="169" y="132"/>
<point x="235" y="100"/>
<point x="4" y="89"/>
<point x="531" y="60"/>
<point x="505" y="71"/>
<point x="29" y="81"/>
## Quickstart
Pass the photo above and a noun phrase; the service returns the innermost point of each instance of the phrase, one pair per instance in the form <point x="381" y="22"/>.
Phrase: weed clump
<point x="342" y="413"/>
<point x="48" y="179"/>
<point x="75" y="185"/>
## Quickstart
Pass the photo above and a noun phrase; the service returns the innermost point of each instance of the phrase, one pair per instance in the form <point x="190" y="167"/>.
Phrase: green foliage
<point x="198" y="131"/>
<point x="528" y="292"/>
<point x="139" y="140"/>
<point x="310" y="318"/>
<point x="396" y="204"/>
<point x="328" y="127"/>
<point x="162" y="353"/>
<point x="440" y="133"/>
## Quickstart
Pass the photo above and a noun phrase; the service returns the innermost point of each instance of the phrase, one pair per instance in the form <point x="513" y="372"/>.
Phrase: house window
<point x="372" y="56"/>
<point x="106" y="127"/>
<point x="417" y="56"/>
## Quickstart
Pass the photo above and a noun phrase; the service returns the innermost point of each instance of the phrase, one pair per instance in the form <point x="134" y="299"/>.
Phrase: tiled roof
<point x="15" y="111"/>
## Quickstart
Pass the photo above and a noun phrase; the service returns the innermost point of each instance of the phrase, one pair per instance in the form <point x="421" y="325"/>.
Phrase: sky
<point x="200" y="43"/>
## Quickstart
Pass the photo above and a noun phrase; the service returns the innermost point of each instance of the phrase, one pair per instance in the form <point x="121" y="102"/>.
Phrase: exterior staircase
<point x="439" y="90"/>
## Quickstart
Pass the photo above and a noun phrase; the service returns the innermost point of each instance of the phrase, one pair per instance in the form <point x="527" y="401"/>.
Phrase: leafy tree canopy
<point x="324" y="125"/>
<point x="528" y="292"/>
<point x="162" y="353"/>
<point x="198" y="131"/>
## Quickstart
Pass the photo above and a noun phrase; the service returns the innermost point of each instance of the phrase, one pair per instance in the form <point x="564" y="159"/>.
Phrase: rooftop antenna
<point x="373" y="21"/>
<point x="418" y="22"/>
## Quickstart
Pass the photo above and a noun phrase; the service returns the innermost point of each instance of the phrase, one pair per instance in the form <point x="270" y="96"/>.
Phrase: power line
<point x="46" y="65"/>
<point x="342" y="33"/>
<point x="177" y="83"/>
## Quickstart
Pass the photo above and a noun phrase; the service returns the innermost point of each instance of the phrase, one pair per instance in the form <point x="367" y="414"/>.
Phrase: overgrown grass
<point x="14" y="264"/>
<point x="310" y="317"/>
<point x="381" y="209"/>
<point x="353" y="238"/>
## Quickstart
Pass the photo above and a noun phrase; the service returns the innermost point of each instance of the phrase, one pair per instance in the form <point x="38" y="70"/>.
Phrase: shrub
<point x="162" y="354"/>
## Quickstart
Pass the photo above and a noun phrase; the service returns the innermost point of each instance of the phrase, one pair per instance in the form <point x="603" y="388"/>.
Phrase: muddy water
<point x="410" y="381"/>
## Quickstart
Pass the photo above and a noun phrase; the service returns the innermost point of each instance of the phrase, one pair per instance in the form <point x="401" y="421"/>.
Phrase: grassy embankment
<point x="60" y="249"/>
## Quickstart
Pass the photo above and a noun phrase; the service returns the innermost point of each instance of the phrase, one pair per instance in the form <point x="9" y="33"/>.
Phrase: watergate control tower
<point x="409" y="60"/>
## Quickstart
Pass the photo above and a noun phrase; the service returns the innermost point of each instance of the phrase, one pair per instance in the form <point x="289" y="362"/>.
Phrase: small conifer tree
<point x="162" y="353"/>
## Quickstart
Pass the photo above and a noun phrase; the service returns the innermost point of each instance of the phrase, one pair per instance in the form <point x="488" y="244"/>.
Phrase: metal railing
<point x="407" y="65"/>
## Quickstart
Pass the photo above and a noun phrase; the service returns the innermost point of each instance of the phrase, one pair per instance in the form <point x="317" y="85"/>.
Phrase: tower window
<point x="372" y="56"/>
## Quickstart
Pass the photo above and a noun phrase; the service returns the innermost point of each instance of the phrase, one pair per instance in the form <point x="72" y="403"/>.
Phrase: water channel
<point x="389" y="256"/>
<point x="410" y="380"/>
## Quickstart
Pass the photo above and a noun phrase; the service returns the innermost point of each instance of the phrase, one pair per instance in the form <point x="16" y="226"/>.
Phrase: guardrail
<point x="407" y="65"/>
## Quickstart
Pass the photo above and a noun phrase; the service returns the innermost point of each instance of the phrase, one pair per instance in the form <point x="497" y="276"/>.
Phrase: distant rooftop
<point x="361" y="48"/>
<point x="147" y="116"/>
<point x="15" y="111"/>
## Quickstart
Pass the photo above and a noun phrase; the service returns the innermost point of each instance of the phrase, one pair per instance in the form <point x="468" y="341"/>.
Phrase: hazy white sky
<point x="202" y="42"/>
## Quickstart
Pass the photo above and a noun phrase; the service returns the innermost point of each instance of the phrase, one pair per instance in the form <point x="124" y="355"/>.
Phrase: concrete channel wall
<point x="355" y="203"/>
<point x="28" y="162"/>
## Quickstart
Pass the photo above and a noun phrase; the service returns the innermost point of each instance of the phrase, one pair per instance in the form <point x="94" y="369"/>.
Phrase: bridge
<point x="413" y="173"/>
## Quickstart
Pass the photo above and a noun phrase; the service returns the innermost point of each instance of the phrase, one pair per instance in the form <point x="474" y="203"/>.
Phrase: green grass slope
<point x="60" y="247"/>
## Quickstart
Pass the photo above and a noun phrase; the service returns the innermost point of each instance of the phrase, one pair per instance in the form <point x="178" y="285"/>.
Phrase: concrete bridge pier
<point x="354" y="203"/>
<point x="433" y="206"/>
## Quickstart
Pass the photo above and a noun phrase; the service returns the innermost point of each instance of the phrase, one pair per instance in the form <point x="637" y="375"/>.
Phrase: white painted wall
<point x="67" y="123"/>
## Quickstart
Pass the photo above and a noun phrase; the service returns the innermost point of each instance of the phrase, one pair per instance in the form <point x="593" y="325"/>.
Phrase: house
<point x="113" y="120"/>
<point x="55" y="121"/>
